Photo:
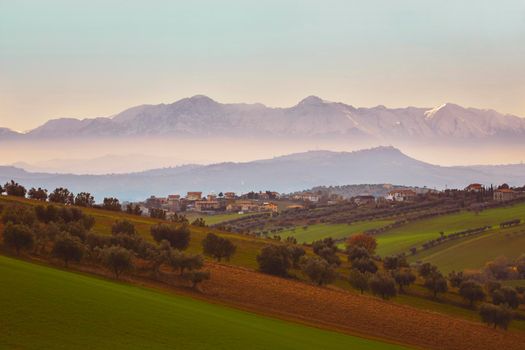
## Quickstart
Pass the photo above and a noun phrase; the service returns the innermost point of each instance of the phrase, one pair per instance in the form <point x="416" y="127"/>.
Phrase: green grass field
<point x="217" y="219"/>
<point x="474" y="252"/>
<point x="320" y="231"/>
<point x="414" y="234"/>
<point x="45" y="308"/>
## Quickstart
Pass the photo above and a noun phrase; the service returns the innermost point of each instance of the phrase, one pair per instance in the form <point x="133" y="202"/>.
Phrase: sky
<point x="68" y="58"/>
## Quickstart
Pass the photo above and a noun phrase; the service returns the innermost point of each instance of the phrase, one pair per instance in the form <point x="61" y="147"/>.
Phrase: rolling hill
<point x="86" y="310"/>
<point x="284" y="174"/>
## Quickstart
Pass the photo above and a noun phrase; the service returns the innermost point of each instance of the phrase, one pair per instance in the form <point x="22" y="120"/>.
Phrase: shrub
<point x="218" y="247"/>
<point x="178" y="236"/>
<point x="274" y="260"/>
<point x="318" y="270"/>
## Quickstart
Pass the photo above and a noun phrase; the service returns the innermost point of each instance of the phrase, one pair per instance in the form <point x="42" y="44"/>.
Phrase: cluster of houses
<point x="211" y="203"/>
<point x="268" y="201"/>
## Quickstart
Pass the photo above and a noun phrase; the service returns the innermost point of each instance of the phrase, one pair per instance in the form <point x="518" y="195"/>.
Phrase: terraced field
<point x="45" y="308"/>
<point x="414" y="234"/>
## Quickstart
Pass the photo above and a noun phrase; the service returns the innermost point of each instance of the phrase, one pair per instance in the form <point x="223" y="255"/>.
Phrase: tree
<point x="68" y="248"/>
<point x="456" y="278"/>
<point x="497" y="315"/>
<point x="199" y="222"/>
<point x="296" y="253"/>
<point x="39" y="194"/>
<point x="110" y="203"/>
<point x="327" y="249"/>
<point x="436" y="283"/>
<point x="157" y="213"/>
<point x="506" y="296"/>
<point x="18" y="214"/>
<point x="274" y="260"/>
<point x="362" y="240"/>
<point x="15" y="189"/>
<point x="117" y="259"/>
<point x="426" y="270"/>
<point x="498" y="268"/>
<point x="218" y="247"/>
<point x="356" y="253"/>
<point x="181" y="261"/>
<point x="364" y="265"/>
<point x="404" y="277"/>
<point x="61" y="195"/>
<point x="18" y="236"/>
<point x="84" y="199"/>
<point x="133" y="209"/>
<point x="394" y="262"/>
<point x="123" y="226"/>
<point x="318" y="270"/>
<point x="471" y="291"/>
<point x="520" y="265"/>
<point x="383" y="284"/>
<point x="358" y="280"/>
<point x="196" y="277"/>
<point x="178" y="236"/>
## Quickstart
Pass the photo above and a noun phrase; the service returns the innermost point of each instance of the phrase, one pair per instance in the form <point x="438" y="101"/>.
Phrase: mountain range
<point x="285" y="174"/>
<point x="313" y="117"/>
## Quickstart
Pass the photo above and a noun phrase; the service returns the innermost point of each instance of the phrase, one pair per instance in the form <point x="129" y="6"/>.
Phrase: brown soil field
<point x="351" y="313"/>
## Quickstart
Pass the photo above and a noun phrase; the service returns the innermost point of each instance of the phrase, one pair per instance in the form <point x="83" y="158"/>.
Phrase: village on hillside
<point x="271" y="201"/>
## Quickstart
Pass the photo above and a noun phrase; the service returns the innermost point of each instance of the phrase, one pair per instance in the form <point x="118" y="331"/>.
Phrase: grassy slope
<point x="320" y="231"/>
<point x="414" y="234"/>
<point x="474" y="252"/>
<point x="43" y="308"/>
<point x="217" y="219"/>
<point x="247" y="247"/>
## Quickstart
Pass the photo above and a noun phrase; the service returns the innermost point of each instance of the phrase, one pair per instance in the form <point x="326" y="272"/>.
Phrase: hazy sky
<point x="95" y="58"/>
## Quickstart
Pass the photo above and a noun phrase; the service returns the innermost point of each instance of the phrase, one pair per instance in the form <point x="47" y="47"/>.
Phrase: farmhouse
<point x="194" y="196"/>
<point x="307" y="197"/>
<point x="474" y="188"/>
<point x="364" y="200"/>
<point x="401" y="195"/>
<point x="207" y="205"/>
<point x="504" y="194"/>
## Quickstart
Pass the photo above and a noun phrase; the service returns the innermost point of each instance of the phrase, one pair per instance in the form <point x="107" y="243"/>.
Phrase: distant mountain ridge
<point x="312" y="117"/>
<point x="286" y="174"/>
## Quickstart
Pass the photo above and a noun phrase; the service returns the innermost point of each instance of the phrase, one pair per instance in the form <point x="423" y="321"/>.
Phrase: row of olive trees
<point x="64" y="233"/>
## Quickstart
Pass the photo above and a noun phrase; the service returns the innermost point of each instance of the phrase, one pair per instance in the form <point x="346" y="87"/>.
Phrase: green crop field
<point x="414" y="234"/>
<point x="45" y="308"/>
<point x="320" y="231"/>
<point x="218" y="218"/>
<point x="473" y="252"/>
